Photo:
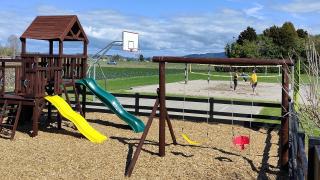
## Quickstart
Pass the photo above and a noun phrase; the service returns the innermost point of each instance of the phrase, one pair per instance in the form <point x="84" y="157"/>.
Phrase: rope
<point x="184" y="94"/>
<point x="208" y="114"/>
<point x="231" y="104"/>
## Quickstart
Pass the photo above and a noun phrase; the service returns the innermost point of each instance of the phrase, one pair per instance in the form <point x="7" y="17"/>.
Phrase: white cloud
<point x="302" y="6"/>
<point x="11" y="23"/>
<point x="255" y="11"/>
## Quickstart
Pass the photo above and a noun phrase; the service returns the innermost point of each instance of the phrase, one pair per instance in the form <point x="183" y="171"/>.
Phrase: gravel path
<point x="65" y="154"/>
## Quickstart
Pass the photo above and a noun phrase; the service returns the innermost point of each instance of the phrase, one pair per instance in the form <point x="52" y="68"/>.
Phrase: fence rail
<point x="209" y="115"/>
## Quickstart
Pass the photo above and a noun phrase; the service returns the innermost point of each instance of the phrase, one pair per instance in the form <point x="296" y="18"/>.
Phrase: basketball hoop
<point x="130" y="41"/>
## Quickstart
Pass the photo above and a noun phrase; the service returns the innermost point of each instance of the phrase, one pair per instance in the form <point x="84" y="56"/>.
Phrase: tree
<point x="267" y="48"/>
<point x="141" y="58"/>
<point x="13" y="44"/>
<point x="288" y="36"/>
<point x="302" y="33"/>
<point x="116" y="57"/>
<point x="227" y="50"/>
<point x="275" y="42"/>
<point x="249" y="34"/>
<point x="274" y="33"/>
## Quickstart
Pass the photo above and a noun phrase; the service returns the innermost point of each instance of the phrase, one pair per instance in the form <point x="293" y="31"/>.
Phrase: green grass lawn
<point x="270" y="111"/>
<point x="309" y="127"/>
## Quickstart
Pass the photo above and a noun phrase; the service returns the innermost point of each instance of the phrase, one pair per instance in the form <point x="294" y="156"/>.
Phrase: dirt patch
<point x="66" y="154"/>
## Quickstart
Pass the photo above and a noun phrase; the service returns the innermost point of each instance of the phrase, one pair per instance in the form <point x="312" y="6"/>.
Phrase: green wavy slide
<point x="113" y="104"/>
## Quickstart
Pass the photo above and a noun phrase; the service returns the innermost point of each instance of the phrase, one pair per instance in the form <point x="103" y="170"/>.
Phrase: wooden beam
<point x="223" y="61"/>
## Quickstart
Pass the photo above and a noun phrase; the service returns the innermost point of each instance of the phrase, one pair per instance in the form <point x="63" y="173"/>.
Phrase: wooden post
<point x="284" y="131"/>
<point x="58" y="77"/>
<point x="84" y="61"/>
<point x="211" y="109"/>
<point x="50" y="47"/>
<point x="23" y="46"/>
<point x="50" y="92"/>
<point x="84" y="95"/>
<point x="35" y="118"/>
<point x="162" y="123"/>
<point x="3" y="78"/>
<point x="136" y="104"/>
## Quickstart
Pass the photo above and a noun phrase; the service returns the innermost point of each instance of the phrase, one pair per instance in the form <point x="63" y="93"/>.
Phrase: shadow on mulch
<point x="131" y="145"/>
<point x="54" y="129"/>
<point x="111" y="124"/>
<point x="51" y="127"/>
<point x="265" y="166"/>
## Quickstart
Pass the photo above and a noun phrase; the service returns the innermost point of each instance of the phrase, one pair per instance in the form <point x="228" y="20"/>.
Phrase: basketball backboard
<point x="130" y="41"/>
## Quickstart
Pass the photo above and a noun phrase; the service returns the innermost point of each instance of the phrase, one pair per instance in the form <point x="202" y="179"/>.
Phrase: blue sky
<point x="166" y="27"/>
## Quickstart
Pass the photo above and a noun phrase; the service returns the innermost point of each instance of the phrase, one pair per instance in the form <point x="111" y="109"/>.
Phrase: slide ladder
<point x="9" y="117"/>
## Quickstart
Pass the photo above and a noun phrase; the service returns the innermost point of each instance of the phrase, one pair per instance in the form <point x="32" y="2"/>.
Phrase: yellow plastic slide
<point x="83" y="126"/>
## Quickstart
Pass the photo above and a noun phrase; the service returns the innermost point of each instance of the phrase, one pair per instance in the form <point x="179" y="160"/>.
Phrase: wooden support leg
<point x="143" y="138"/>
<point x="59" y="121"/>
<point x="49" y="112"/>
<point x="84" y="100"/>
<point x="35" y="119"/>
<point x="15" y="125"/>
<point x="66" y="94"/>
<point x="171" y="129"/>
<point x="77" y="99"/>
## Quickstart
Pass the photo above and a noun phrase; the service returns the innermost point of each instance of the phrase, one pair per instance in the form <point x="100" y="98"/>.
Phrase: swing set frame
<point x="164" y="118"/>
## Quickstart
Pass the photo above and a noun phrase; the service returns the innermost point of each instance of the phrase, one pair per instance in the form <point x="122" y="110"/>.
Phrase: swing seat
<point x="241" y="141"/>
<point x="185" y="136"/>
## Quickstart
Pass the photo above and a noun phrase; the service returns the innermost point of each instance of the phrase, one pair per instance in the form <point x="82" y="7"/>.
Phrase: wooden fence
<point x="302" y="166"/>
<point x="139" y="109"/>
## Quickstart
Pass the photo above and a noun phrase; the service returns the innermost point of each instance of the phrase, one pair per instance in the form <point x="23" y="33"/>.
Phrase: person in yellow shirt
<point x="254" y="81"/>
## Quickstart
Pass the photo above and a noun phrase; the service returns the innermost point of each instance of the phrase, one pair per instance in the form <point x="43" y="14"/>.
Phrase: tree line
<point x="275" y="42"/>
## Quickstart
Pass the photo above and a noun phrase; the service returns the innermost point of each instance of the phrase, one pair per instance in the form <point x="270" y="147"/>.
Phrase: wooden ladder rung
<point x="10" y="116"/>
<point x="6" y="125"/>
<point x="12" y="108"/>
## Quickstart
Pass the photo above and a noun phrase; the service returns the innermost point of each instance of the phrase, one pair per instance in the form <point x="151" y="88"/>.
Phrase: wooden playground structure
<point x="39" y="75"/>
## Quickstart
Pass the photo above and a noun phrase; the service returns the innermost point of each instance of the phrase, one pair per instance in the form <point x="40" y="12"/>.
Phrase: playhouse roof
<point x="64" y="28"/>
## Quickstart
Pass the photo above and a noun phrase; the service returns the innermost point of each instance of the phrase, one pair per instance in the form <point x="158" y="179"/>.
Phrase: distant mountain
<point x="208" y="55"/>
